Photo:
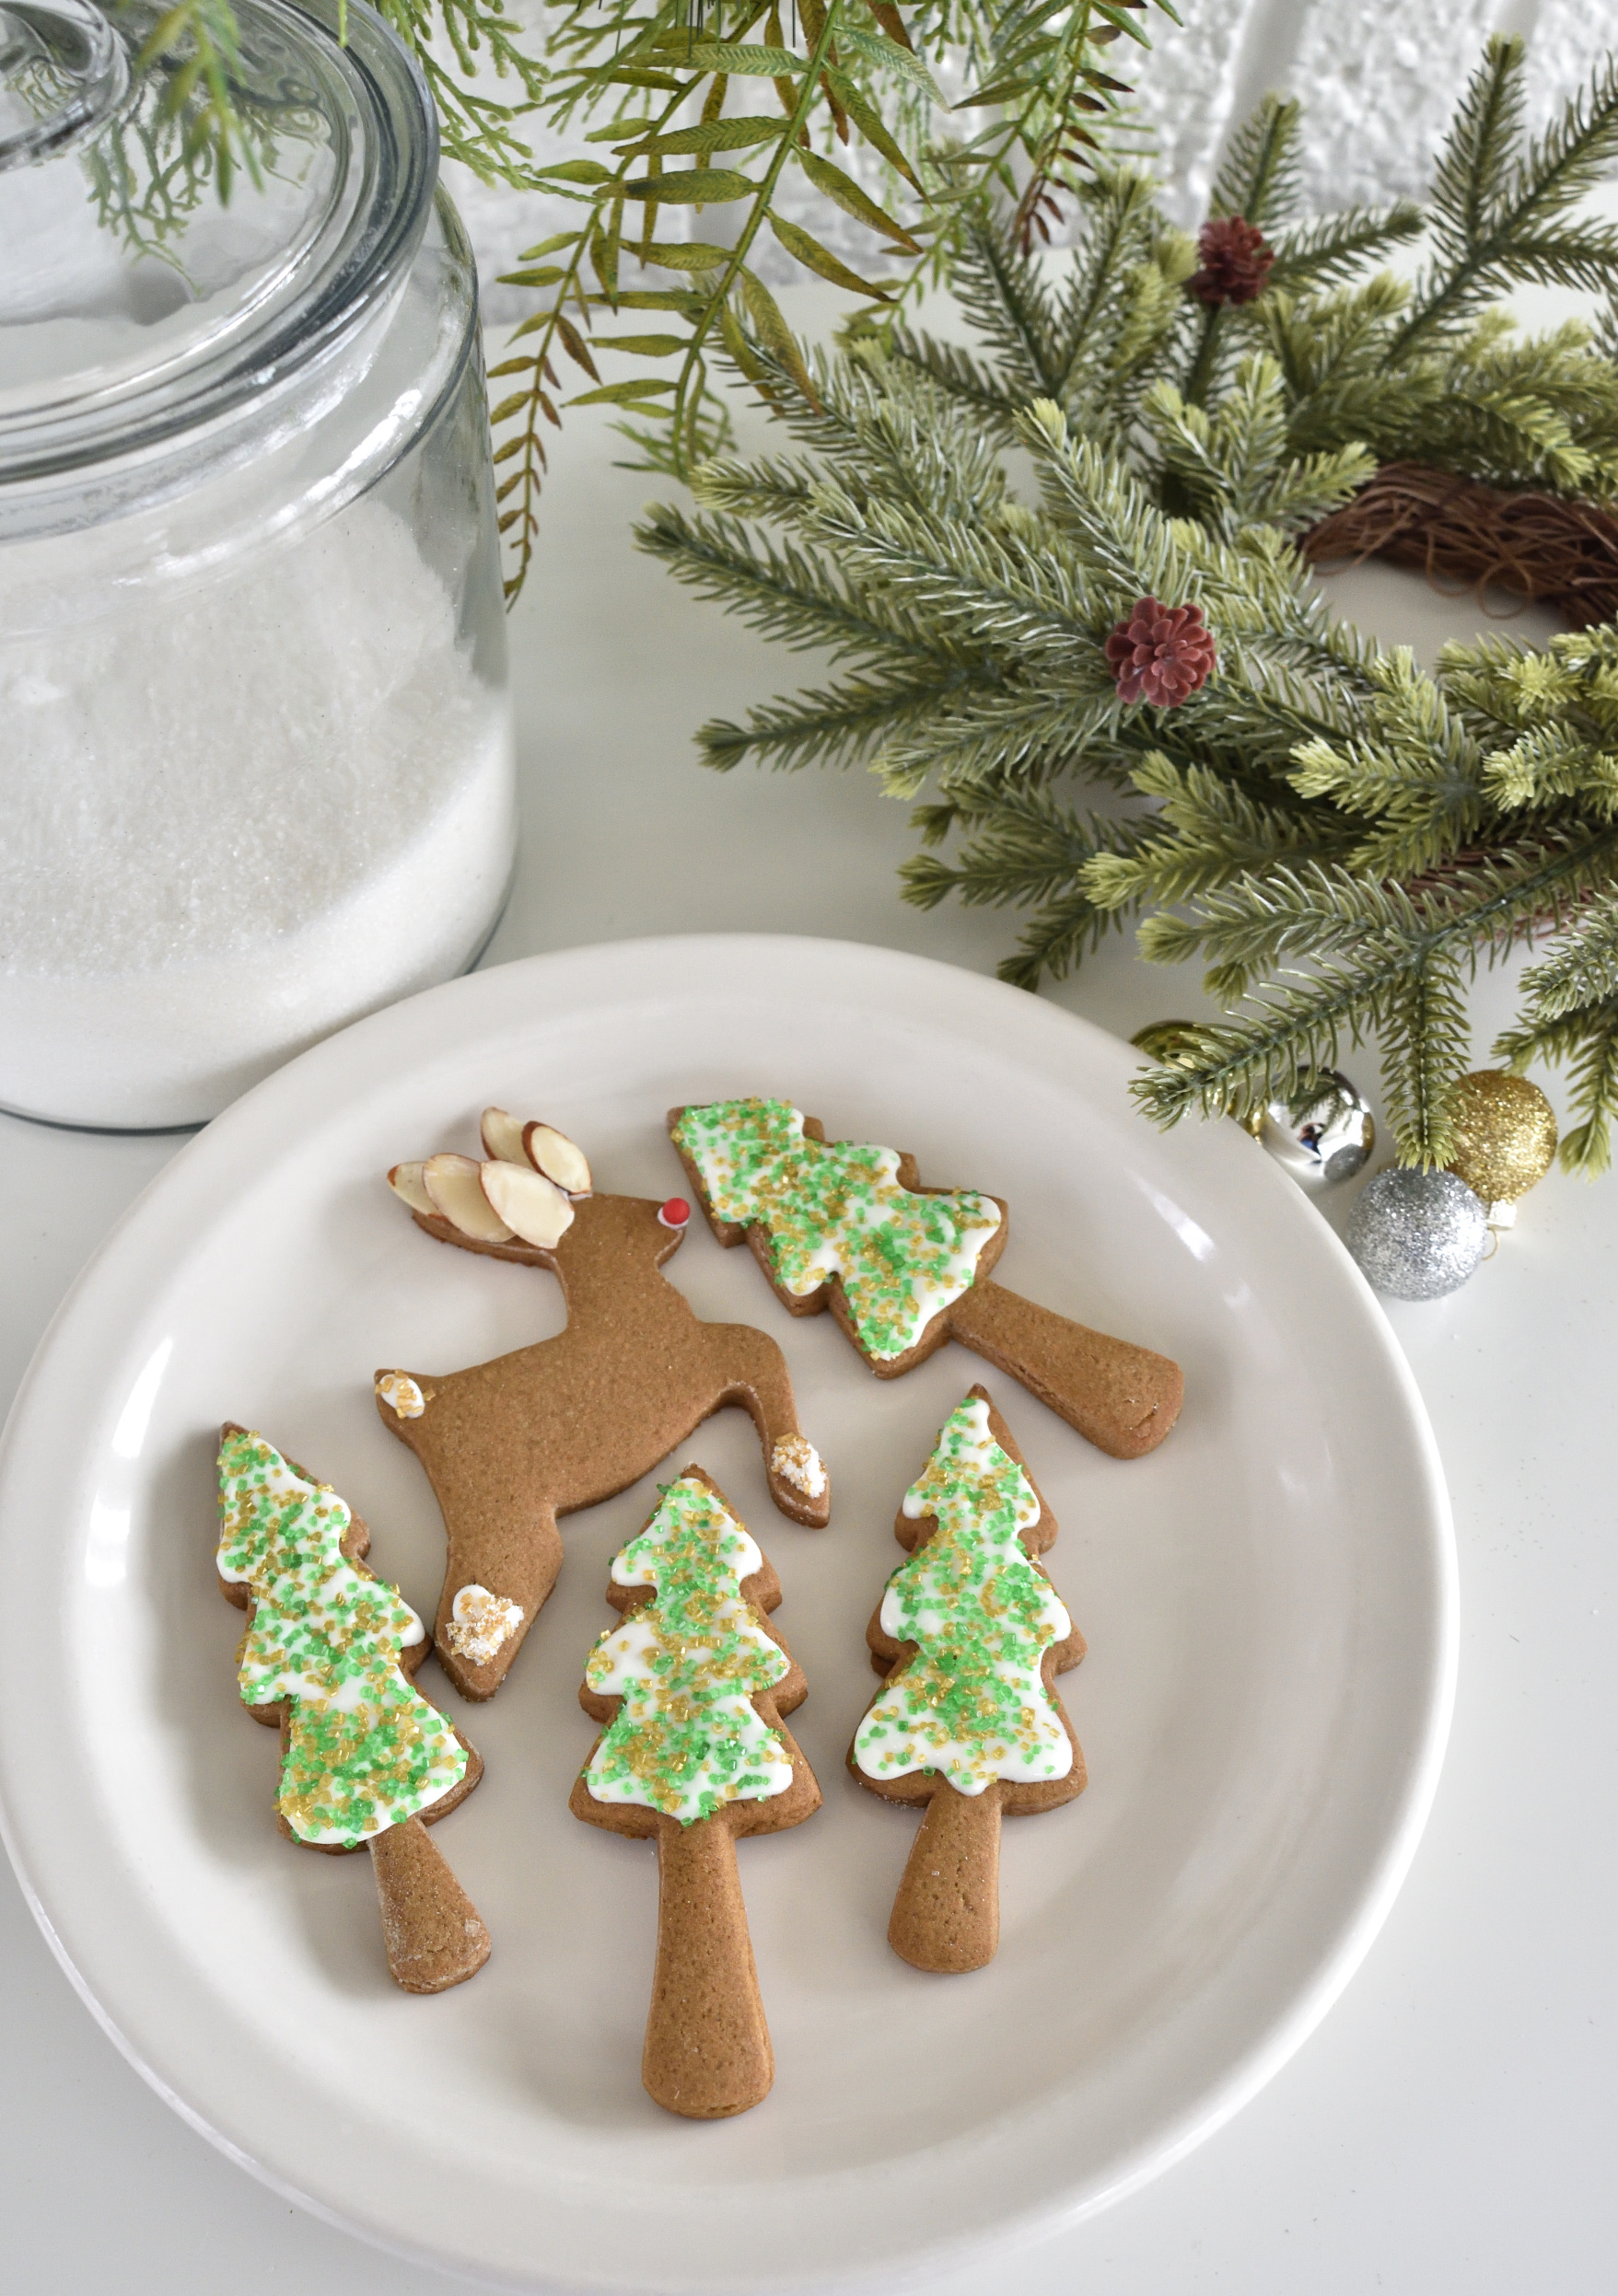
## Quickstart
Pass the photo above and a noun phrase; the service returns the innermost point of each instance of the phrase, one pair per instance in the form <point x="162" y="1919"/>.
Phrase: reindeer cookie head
<point x="519" y="1200"/>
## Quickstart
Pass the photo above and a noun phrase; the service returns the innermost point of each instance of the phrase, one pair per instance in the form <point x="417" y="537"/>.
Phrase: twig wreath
<point x="1341" y="838"/>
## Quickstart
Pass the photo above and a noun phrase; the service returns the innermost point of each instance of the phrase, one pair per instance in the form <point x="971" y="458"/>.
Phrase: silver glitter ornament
<point x="1417" y="1235"/>
<point x="1321" y="1133"/>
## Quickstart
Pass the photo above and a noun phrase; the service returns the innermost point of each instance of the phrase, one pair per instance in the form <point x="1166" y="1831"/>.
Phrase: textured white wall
<point x="1378" y="80"/>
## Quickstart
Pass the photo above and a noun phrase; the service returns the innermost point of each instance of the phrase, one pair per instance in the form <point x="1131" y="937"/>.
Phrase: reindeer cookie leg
<point x="755" y="1374"/>
<point x="504" y="1548"/>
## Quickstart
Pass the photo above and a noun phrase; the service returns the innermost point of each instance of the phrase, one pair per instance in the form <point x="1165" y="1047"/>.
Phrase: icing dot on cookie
<point x="675" y="1212"/>
<point x="402" y="1394"/>
<point x="796" y="1461"/>
<point x="480" y="1623"/>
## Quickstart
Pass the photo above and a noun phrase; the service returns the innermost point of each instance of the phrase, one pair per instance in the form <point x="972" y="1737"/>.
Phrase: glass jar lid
<point x="157" y="275"/>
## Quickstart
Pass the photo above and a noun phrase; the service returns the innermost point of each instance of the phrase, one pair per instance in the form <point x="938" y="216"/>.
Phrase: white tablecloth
<point x="1449" y="2130"/>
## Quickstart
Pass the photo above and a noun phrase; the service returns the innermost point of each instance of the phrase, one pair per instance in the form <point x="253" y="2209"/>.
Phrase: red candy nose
<point x="675" y="1212"/>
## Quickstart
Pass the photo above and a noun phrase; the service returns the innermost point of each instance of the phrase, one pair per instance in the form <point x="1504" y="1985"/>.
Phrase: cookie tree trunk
<point x="1121" y="1398"/>
<point x="432" y="1930"/>
<point x="707" y="2052"/>
<point x="946" y="1915"/>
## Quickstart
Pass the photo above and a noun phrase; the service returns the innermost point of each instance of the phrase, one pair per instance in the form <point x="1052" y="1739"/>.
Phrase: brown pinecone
<point x="1235" y="260"/>
<point x="1161" y="654"/>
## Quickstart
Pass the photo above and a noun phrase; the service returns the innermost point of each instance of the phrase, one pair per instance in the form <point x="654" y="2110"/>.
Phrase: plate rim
<point x="1248" y="2072"/>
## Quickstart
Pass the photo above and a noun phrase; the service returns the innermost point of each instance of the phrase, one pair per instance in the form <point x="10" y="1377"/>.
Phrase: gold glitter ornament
<point x="1505" y="1140"/>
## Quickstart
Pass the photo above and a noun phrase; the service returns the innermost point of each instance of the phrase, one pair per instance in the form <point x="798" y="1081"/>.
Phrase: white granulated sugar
<point x="237" y="819"/>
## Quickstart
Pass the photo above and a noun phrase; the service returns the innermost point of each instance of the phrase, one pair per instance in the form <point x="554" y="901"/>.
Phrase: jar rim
<point x="355" y="251"/>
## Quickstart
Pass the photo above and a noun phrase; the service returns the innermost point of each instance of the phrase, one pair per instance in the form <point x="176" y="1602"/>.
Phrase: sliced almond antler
<point x="531" y="1205"/>
<point x="559" y="1158"/>
<point x="503" y="1137"/>
<point x="455" y="1185"/>
<point x="405" y="1180"/>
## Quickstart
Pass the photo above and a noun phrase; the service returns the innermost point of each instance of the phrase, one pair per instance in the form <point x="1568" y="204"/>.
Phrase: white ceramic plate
<point x="1269" y="1601"/>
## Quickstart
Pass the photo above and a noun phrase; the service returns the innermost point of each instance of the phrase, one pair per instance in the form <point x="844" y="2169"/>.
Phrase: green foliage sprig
<point x="1339" y="838"/>
<point x="682" y="112"/>
<point x="687" y="135"/>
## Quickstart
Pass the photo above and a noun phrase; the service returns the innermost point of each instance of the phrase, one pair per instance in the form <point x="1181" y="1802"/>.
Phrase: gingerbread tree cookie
<point x="903" y="1268"/>
<point x="366" y="1761"/>
<point x="691" y="1685"/>
<point x="970" y="1635"/>
<point x="512" y="1445"/>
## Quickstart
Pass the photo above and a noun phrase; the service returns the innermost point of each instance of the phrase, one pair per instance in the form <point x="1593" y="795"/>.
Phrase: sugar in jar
<point x="256" y="770"/>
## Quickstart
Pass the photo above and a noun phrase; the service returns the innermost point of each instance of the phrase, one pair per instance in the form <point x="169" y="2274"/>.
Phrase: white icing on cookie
<point x="796" y="1461"/>
<point x="402" y="1394"/>
<point x="479" y="1624"/>
<point x="972" y="1704"/>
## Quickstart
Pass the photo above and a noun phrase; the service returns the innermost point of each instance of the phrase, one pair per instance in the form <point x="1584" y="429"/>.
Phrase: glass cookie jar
<point x="256" y="770"/>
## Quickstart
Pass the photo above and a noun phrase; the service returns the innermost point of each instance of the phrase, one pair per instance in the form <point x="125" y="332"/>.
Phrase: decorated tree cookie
<point x="903" y="1268"/>
<point x="511" y="1445"/>
<point x="691" y="1684"/>
<point x="970" y="1635"/>
<point x="366" y="1761"/>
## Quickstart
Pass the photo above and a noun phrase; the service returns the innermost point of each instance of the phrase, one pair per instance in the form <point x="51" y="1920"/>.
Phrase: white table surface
<point x="1449" y="2130"/>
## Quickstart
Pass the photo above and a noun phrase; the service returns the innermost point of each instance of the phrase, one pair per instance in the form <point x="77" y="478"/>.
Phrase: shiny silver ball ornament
<point x="1321" y="1133"/>
<point x="1417" y="1235"/>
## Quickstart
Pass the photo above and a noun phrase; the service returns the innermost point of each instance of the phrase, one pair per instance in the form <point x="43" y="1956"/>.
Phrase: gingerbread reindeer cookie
<point x="366" y="1761"/>
<point x="904" y="1266"/>
<point x="509" y="1446"/>
<point x="969" y="1637"/>
<point x="691" y="1684"/>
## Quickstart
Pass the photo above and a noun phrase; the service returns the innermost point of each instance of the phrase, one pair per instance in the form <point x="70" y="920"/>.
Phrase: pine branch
<point x="961" y="376"/>
<point x="1208" y="832"/>
<point x="1053" y="942"/>
<point x="1341" y="839"/>
<point x="1328" y="250"/>
<point x="788" y="593"/>
<point x="839" y="724"/>
<point x="1027" y="845"/>
<point x="1259" y="178"/>
<point x="1496" y="212"/>
<point x="1582" y="969"/>
<point x="1587" y="1040"/>
<point x="1000" y="736"/>
<point x="1427" y="1048"/>
<point x="1002" y="293"/>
